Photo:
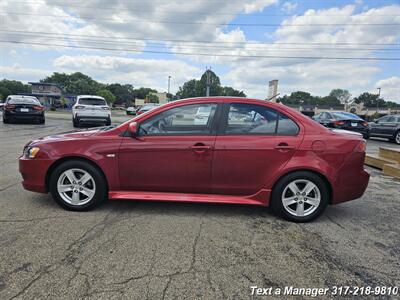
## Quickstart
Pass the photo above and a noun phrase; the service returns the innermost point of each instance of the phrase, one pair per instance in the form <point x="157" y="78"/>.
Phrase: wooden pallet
<point x="388" y="160"/>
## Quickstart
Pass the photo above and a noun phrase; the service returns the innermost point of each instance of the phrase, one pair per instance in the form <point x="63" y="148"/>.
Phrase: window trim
<point x="211" y="132"/>
<point x="224" y="121"/>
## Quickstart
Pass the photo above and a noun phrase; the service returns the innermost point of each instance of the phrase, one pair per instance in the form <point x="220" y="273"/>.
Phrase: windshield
<point x="92" y="101"/>
<point x="24" y="101"/>
<point x="346" y="115"/>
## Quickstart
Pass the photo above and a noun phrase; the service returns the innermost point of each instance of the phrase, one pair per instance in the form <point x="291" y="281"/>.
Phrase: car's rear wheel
<point x="42" y="121"/>
<point x="5" y="120"/>
<point x="77" y="185"/>
<point x="108" y="122"/>
<point x="75" y="122"/>
<point x="396" y="138"/>
<point x="300" y="196"/>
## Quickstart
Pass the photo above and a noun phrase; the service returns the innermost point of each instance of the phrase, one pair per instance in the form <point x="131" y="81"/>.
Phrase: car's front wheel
<point x="77" y="185"/>
<point x="300" y="196"/>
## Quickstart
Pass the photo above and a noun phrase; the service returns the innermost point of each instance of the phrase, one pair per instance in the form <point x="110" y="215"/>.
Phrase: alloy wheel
<point x="301" y="197"/>
<point x="76" y="186"/>
<point x="397" y="138"/>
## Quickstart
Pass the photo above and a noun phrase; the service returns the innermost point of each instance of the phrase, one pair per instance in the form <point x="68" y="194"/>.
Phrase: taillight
<point x="37" y="107"/>
<point x="105" y="108"/>
<point x="361" y="147"/>
<point x="338" y="123"/>
<point x="9" y="107"/>
<point x="79" y="107"/>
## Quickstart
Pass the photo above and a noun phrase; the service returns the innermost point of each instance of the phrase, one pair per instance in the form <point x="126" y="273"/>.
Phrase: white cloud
<point x="137" y="71"/>
<point x="18" y="72"/>
<point x="390" y="88"/>
<point x="289" y="7"/>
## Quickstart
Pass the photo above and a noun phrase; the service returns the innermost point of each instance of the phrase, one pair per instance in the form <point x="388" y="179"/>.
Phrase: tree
<point x="151" y="98"/>
<point x="13" y="87"/>
<point x="197" y="88"/>
<point x="4" y="92"/>
<point x="106" y="94"/>
<point x="75" y="83"/>
<point x="142" y="92"/>
<point x="342" y="95"/>
<point x="123" y="93"/>
<point x="370" y="100"/>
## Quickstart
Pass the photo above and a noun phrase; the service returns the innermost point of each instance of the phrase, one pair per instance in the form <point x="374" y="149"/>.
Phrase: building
<point x="51" y="95"/>
<point x="162" y="97"/>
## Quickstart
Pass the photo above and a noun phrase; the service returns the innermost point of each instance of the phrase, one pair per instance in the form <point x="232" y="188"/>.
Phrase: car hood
<point x="70" y="135"/>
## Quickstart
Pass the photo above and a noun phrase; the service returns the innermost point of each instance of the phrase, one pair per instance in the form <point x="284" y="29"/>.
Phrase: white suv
<point x="91" y="109"/>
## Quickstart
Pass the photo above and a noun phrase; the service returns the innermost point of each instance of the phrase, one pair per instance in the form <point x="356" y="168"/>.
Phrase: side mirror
<point x="133" y="129"/>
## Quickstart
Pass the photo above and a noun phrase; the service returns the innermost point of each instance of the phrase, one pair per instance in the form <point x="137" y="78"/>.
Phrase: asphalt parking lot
<point x="137" y="250"/>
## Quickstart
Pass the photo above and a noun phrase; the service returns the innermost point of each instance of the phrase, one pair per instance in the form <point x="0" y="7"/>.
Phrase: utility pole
<point x="169" y="86"/>
<point x="208" y="81"/>
<point x="379" y="95"/>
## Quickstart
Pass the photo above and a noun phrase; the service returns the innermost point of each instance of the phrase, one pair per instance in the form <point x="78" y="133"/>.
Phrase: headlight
<point x="30" y="152"/>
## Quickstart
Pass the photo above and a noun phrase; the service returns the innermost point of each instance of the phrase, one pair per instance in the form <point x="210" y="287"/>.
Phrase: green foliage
<point x="370" y="100"/>
<point x="342" y="95"/>
<point x="106" y="94"/>
<point x="197" y="88"/>
<point x="75" y="83"/>
<point x="4" y="92"/>
<point x="300" y="97"/>
<point x="123" y="93"/>
<point x="11" y="87"/>
<point x="151" y="98"/>
<point x="142" y="92"/>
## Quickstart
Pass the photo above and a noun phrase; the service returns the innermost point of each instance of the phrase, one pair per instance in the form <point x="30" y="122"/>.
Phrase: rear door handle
<point x="284" y="146"/>
<point x="200" y="147"/>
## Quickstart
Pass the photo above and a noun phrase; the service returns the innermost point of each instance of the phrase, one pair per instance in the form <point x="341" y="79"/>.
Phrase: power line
<point x="196" y="42"/>
<point x="206" y="46"/>
<point x="253" y="14"/>
<point x="112" y="20"/>
<point x="205" y="54"/>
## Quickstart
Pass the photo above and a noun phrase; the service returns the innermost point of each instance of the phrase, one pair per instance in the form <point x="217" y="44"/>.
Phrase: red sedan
<point x="218" y="149"/>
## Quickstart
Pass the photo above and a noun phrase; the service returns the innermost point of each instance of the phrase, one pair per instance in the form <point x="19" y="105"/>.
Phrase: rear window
<point x="92" y="101"/>
<point x="344" y="115"/>
<point x="23" y="101"/>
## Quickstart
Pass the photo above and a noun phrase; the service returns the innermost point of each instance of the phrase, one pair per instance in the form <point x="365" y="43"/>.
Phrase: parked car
<point x="26" y="108"/>
<point x="131" y="110"/>
<point x="146" y="108"/>
<point x="91" y="109"/>
<point x="386" y="127"/>
<point x="343" y="120"/>
<point x="248" y="152"/>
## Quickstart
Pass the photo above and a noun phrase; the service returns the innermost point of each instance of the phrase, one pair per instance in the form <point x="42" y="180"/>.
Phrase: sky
<point x="308" y="45"/>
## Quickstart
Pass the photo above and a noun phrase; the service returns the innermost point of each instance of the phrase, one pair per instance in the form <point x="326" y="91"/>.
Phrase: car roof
<point x="21" y="97"/>
<point x="89" y="96"/>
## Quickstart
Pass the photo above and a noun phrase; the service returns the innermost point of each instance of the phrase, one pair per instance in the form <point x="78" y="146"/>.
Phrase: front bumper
<point x="33" y="172"/>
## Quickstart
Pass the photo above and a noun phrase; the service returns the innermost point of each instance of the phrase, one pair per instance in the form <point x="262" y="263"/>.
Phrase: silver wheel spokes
<point x="76" y="186"/>
<point x="398" y="138"/>
<point x="301" y="197"/>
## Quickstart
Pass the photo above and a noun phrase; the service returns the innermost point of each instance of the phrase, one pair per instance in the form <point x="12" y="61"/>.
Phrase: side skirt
<point x="260" y="198"/>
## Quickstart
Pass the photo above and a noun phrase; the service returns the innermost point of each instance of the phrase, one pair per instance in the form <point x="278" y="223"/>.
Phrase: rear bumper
<point x="23" y="116"/>
<point x="350" y="188"/>
<point x="93" y="119"/>
<point x="33" y="172"/>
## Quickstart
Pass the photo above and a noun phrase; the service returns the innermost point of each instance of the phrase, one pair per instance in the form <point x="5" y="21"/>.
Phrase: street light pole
<point x="379" y="95"/>
<point x="169" y="85"/>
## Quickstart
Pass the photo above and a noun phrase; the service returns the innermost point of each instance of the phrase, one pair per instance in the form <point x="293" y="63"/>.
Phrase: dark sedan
<point x="386" y="127"/>
<point x="23" y="108"/>
<point x="343" y="120"/>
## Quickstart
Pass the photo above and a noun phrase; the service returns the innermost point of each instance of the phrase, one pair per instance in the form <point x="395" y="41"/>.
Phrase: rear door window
<point x="252" y="119"/>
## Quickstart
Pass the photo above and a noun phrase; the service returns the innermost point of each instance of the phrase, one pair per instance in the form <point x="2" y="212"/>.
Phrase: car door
<point x="253" y="143"/>
<point x="172" y="153"/>
<point x="388" y="128"/>
<point x="377" y="126"/>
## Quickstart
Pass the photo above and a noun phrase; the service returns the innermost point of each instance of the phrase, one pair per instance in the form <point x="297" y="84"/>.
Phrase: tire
<point x="75" y="122"/>
<point x="396" y="137"/>
<point x="78" y="196"/>
<point x="6" y="121"/>
<point x="42" y="121"/>
<point x="108" y="122"/>
<point x="300" y="179"/>
<point x="366" y="136"/>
